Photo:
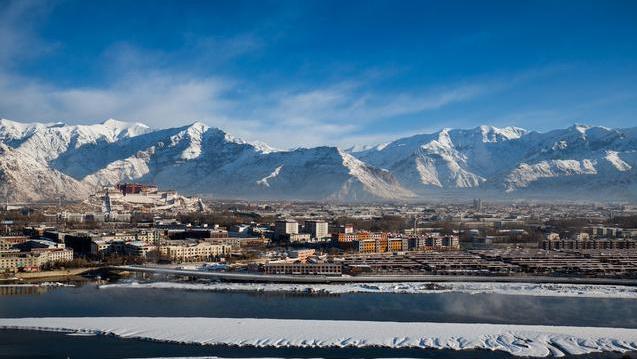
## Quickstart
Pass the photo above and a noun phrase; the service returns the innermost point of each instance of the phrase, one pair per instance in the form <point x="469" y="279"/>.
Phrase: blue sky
<point x="305" y="73"/>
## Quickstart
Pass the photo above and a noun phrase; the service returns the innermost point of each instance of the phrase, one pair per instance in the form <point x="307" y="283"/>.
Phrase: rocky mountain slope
<point x="580" y="162"/>
<point x="194" y="159"/>
<point x="47" y="161"/>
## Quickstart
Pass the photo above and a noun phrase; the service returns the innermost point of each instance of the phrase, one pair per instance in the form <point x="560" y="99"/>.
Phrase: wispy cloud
<point x="18" y="40"/>
<point x="146" y="86"/>
<point x="162" y="97"/>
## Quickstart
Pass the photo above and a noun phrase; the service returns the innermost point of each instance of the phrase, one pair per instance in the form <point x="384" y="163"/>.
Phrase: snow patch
<point x="526" y="289"/>
<point x="264" y="181"/>
<point x="618" y="163"/>
<point x="520" y="340"/>
<point x="525" y="174"/>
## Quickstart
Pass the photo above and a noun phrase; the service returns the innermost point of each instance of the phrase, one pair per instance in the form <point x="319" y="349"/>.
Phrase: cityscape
<point x="318" y="179"/>
<point x="137" y="224"/>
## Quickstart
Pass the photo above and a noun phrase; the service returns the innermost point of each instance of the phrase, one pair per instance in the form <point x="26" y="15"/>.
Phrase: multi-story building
<point x="54" y="255"/>
<point x="397" y="244"/>
<point x="101" y="248"/>
<point x="604" y="231"/>
<point x="364" y="242"/>
<point x="364" y="246"/>
<point x="434" y="241"/>
<point x="301" y="254"/>
<point x="477" y="204"/>
<point x="147" y="236"/>
<point x="317" y="229"/>
<point x="283" y="228"/>
<point x="137" y="248"/>
<point x="347" y="228"/>
<point x="7" y="242"/>
<point x="297" y="237"/>
<point x="358" y="236"/>
<point x="450" y="242"/>
<point x="15" y="260"/>
<point x="80" y="243"/>
<point x="191" y="251"/>
<point x="199" y="233"/>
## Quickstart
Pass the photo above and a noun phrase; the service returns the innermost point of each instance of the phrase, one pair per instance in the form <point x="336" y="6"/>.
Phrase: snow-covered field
<point x="529" y="289"/>
<point x="523" y="340"/>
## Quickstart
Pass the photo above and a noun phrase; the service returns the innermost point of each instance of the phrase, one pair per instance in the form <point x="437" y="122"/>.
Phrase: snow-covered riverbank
<point x="523" y="340"/>
<point x="529" y="289"/>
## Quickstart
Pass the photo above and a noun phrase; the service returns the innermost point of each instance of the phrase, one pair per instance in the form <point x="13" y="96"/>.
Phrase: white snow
<point x="264" y="181"/>
<point x="521" y="340"/>
<point x="125" y="170"/>
<point x="526" y="289"/>
<point x="525" y="174"/>
<point x="617" y="162"/>
<point x="47" y="141"/>
<point x="26" y="179"/>
<point x="200" y="159"/>
<point x="377" y="181"/>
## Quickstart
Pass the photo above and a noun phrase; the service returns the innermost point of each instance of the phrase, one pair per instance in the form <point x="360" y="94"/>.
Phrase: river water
<point x="90" y="300"/>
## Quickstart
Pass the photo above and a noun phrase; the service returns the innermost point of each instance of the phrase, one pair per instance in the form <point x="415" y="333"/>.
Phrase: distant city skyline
<point x="315" y="73"/>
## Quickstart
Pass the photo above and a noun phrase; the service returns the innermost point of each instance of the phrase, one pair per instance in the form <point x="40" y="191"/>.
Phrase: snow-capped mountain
<point x="40" y="161"/>
<point x="23" y="178"/>
<point x="580" y="162"/>
<point x="46" y="141"/>
<point x="195" y="159"/>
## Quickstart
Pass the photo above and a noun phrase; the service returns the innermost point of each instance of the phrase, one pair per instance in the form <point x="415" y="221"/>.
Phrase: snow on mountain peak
<point x="123" y="129"/>
<point x="494" y="134"/>
<point x="581" y="128"/>
<point x="122" y="125"/>
<point x="200" y="158"/>
<point x="13" y="130"/>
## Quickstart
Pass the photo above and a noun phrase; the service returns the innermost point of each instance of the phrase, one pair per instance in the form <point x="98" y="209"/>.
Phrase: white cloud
<point x="142" y="87"/>
<point x="162" y="99"/>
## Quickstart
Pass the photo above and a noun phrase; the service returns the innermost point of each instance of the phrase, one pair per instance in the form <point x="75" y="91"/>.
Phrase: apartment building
<point x="283" y="228"/>
<point x="317" y="229"/>
<point x="15" y="260"/>
<point x="191" y="252"/>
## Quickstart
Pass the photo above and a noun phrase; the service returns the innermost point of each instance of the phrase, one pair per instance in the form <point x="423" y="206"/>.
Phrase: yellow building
<point x="194" y="252"/>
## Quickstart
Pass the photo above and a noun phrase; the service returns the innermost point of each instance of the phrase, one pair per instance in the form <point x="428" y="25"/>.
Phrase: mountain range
<point x="48" y="161"/>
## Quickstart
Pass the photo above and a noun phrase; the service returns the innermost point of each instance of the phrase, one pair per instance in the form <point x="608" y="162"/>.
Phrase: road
<point x="255" y="277"/>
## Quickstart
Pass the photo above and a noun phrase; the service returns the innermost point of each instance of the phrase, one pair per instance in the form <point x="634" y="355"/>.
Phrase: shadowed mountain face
<point x="579" y="162"/>
<point x="194" y="159"/>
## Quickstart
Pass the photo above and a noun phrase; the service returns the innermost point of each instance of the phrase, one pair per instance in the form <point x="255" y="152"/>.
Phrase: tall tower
<point x="477" y="204"/>
<point x="107" y="205"/>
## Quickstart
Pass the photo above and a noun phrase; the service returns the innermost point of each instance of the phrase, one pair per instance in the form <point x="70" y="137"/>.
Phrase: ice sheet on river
<point x="531" y="289"/>
<point x="523" y="340"/>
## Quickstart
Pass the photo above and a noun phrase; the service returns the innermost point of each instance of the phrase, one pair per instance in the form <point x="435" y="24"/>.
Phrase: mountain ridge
<point x="508" y="162"/>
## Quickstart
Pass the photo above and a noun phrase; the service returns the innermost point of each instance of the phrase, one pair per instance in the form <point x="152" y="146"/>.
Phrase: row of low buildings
<point x="179" y="245"/>
<point x="585" y="242"/>
<point x="380" y="242"/>
<point x="19" y="253"/>
<point x="362" y="241"/>
<point x="282" y="268"/>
